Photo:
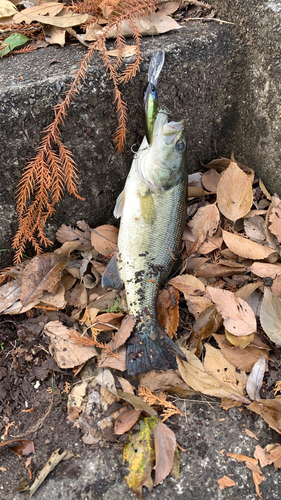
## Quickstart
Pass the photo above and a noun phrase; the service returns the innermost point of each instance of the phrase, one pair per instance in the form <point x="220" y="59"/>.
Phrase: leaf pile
<point x="224" y="309"/>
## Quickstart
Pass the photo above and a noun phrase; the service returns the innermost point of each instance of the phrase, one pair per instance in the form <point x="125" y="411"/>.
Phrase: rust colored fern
<point x="168" y="408"/>
<point x="53" y="170"/>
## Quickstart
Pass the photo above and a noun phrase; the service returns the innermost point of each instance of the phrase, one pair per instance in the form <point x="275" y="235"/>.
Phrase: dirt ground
<point x="31" y="380"/>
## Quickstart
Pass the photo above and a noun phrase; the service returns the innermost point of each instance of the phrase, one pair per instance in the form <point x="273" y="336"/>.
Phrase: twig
<point x="204" y="19"/>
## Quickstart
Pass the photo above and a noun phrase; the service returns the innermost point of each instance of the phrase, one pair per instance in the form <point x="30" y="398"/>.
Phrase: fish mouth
<point x="173" y="131"/>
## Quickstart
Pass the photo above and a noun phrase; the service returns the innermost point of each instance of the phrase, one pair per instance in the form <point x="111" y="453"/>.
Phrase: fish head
<point x="167" y="153"/>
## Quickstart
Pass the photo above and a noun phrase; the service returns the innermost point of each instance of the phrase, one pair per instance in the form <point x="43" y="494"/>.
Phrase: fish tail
<point x="151" y="351"/>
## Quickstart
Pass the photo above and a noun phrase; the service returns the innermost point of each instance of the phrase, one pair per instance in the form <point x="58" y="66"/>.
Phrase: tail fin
<point x="148" y="351"/>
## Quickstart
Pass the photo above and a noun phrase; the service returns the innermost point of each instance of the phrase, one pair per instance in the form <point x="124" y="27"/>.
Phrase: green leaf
<point x="14" y="40"/>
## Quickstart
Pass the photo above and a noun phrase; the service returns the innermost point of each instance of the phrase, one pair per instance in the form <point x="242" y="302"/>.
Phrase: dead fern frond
<point x="29" y="48"/>
<point x="149" y="398"/>
<point x="53" y="171"/>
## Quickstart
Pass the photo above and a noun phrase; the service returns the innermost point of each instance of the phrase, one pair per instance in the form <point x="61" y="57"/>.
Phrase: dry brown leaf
<point x="127" y="51"/>
<point x="9" y="294"/>
<point x="168" y="381"/>
<point x="264" y="270"/>
<point x="243" y="458"/>
<point x="226" y="403"/>
<point x="63" y="21"/>
<point x="255" y="229"/>
<point x="234" y="193"/>
<point x="104" y="239"/>
<point x="43" y="272"/>
<point x="243" y="359"/>
<point x="55" y="35"/>
<point x="168" y="309"/>
<point x="225" y="482"/>
<point x="165" y="447"/>
<point x="258" y="479"/>
<point x="274" y="216"/>
<point x="245" y="292"/>
<point x="82" y="235"/>
<point x="270" y="316"/>
<point x="196" y="305"/>
<point x="137" y="402"/>
<point x="7" y="9"/>
<point x="252" y="435"/>
<point x="77" y="296"/>
<point x="49" y="8"/>
<point x="246" y="248"/>
<point x="269" y="455"/>
<point x="108" y="321"/>
<point x="56" y="300"/>
<point x="188" y="284"/>
<point x="126" y="421"/>
<point x="124" y="332"/>
<point x="196" y="376"/>
<point x="126" y="386"/>
<point x="270" y="411"/>
<point x="239" y="318"/>
<point x="109" y="361"/>
<point x="205" y="222"/>
<point x="255" y="379"/>
<point x="210" y="244"/>
<point x="210" y="180"/>
<point x="220" y="269"/>
<point x="65" y="351"/>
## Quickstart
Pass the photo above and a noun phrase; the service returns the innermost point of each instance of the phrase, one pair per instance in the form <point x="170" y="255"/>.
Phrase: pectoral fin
<point x="119" y="206"/>
<point x="111" y="277"/>
<point x="147" y="208"/>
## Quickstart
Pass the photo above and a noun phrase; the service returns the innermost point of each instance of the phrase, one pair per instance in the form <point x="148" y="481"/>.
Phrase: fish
<point x="150" y="98"/>
<point x="152" y="208"/>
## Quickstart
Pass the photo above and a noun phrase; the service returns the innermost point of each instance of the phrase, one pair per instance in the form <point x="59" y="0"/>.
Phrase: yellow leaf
<point x="241" y="342"/>
<point x="139" y="456"/>
<point x="246" y="248"/>
<point x="234" y="193"/>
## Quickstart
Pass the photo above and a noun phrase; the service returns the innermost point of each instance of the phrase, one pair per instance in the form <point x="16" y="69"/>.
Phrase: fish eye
<point x="180" y="146"/>
<point x="152" y="87"/>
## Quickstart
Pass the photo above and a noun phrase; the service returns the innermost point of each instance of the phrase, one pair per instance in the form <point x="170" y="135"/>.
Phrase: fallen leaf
<point x="136" y="402"/>
<point x="168" y="381"/>
<point x="226" y="403"/>
<point x="243" y="359"/>
<point x="255" y="229"/>
<point x="7" y="8"/>
<point x="246" y="248"/>
<point x="197" y="305"/>
<point x="255" y="379"/>
<point x="106" y="379"/>
<point x="108" y="361"/>
<point x="56" y="300"/>
<point x="234" y="193"/>
<point x="43" y="272"/>
<point x="126" y="421"/>
<point x="239" y="318"/>
<point x="270" y="411"/>
<point x="210" y="180"/>
<point x="269" y="455"/>
<point x="242" y="458"/>
<point x="210" y="244"/>
<point x="65" y="351"/>
<point x="168" y="309"/>
<point x="77" y="296"/>
<point x="225" y="482"/>
<point x="124" y="332"/>
<point x="19" y="446"/>
<point x="205" y="222"/>
<point x="63" y="21"/>
<point x="264" y="270"/>
<point x="252" y="435"/>
<point x="9" y="294"/>
<point x="104" y="239"/>
<point x="75" y="400"/>
<point x="82" y="235"/>
<point x="274" y="215"/>
<point x="165" y="447"/>
<point x="242" y="342"/>
<point x="127" y="51"/>
<point x="220" y="269"/>
<point x="55" y="35"/>
<point x="270" y="316"/>
<point x="108" y="321"/>
<point x="188" y="284"/>
<point x="139" y="457"/>
<point x="217" y="384"/>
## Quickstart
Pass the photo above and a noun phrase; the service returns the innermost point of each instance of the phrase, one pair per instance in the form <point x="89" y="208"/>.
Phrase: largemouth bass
<point x="152" y="207"/>
<point x="150" y="98"/>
